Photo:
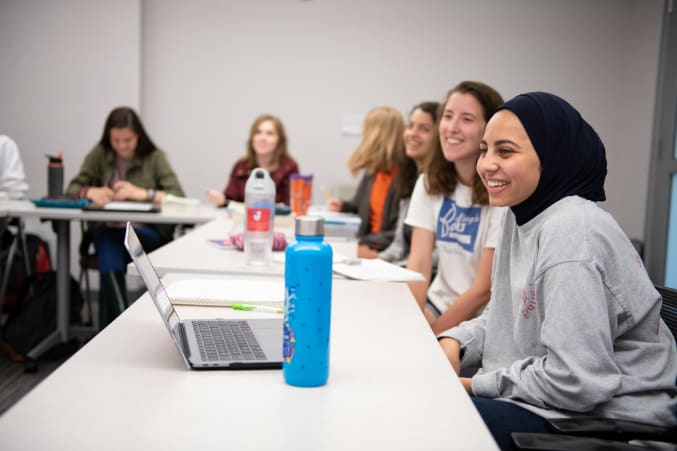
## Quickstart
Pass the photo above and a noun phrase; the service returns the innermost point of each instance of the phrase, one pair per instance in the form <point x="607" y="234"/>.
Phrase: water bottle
<point x="259" y="200"/>
<point x="55" y="176"/>
<point x="307" y="313"/>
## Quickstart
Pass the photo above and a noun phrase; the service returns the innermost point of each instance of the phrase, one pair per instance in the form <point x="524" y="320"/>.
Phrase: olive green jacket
<point x="151" y="171"/>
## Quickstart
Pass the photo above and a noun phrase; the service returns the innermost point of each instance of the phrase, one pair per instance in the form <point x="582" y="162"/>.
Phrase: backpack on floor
<point x="33" y="317"/>
<point x="39" y="261"/>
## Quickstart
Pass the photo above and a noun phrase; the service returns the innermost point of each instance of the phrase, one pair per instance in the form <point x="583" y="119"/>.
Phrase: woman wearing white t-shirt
<point x="450" y="210"/>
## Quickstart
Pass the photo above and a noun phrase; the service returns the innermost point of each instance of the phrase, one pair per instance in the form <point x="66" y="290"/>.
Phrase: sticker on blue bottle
<point x="289" y="339"/>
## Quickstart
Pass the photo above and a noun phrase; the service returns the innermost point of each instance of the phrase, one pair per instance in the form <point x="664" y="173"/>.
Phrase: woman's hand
<point x="100" y="195"/>
<point x="128" y="191"/>
<point x="216" y="198"/>
<point x="334" y="204"/>
<point x="452" y="349"/>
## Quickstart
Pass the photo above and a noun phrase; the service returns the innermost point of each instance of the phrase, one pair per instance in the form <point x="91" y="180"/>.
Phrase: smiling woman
<point x="267" y="149"/>
<point x="449" y="212"/>
<point x="509" y="168"/>
<point x="574" y="322"/>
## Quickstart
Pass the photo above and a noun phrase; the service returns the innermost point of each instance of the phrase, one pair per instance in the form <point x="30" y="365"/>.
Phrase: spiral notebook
<point x="225" y="293"/>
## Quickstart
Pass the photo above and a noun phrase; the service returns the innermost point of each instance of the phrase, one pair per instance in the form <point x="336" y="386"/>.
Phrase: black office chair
<point x="669" y="308"/>
<point x="88" y="261"/>
<point x="581" y="433"/>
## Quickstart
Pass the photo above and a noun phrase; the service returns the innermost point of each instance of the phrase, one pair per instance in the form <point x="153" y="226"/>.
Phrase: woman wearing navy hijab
<point x="573" y="323"/>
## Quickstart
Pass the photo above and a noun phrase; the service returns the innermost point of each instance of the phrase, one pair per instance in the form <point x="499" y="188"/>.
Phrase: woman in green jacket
<point x="124" y="165"/>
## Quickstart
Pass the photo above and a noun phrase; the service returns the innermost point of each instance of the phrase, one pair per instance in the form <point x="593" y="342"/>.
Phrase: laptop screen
<point x="149" y="275"/>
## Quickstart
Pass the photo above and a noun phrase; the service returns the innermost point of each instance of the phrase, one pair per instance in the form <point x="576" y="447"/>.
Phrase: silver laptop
<point x="254" y="343"/>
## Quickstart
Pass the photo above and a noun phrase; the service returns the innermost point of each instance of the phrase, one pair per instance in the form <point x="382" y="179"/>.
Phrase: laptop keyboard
<point x="227" y="340"/>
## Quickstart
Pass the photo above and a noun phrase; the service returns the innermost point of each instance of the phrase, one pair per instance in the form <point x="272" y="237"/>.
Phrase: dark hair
<point x="408" y="171"/>
<point x="441" y="175"/>
<point x="432" y="108"/>
<point x="125" y="117"/>
<point x="281" y="149"/>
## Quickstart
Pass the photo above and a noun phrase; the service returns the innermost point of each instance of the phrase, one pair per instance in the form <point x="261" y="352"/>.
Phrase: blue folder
<point x="60" y="203"/>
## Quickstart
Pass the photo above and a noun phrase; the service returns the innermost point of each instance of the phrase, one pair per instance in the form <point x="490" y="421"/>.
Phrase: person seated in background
<point x="124" y="165"/>
<point x="12" y="176"/>
<point x="449" y="211"/>
<point x="267" y="149"/>
<point x="379" y="156"/>
<point x="573" y="326"/>
<point x="419" y="142"/>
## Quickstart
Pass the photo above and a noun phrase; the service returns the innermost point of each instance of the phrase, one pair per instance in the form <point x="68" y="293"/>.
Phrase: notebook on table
<point x="226" y="292"/>
<point x="127" y="206"/>
<point x="254" y="343"/>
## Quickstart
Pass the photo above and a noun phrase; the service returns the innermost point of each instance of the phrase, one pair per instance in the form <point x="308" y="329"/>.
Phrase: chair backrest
<point x="669" y="308"/>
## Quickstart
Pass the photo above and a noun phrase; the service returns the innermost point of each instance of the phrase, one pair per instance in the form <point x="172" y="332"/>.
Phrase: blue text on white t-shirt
<point x="457" y="224"/>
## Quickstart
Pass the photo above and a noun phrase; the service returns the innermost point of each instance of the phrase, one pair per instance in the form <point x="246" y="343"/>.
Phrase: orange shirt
<point x="377" y="200"/>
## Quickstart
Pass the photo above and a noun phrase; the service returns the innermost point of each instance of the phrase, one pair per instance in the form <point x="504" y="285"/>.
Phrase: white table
<point x="207" y="258"/>
<point x="61" y="218"/>
<point x="390" y="387"/>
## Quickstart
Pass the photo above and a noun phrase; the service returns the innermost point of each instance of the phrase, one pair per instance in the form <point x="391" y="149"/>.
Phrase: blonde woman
<point x="378" y="156"/>
<point x="267" y="149"/>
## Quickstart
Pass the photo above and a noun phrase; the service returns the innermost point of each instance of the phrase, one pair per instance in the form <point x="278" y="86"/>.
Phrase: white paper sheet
<point x="376" y="270"/>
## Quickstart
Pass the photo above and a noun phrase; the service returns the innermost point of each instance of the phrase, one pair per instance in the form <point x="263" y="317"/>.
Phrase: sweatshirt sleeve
<point x="577" y="371"/>
<point x="470" y="334"/>
<point x="396" y="250"/>
<point x="12" y="175"/>
<point x="166" y="178"/>
<point x="89" y="173"/>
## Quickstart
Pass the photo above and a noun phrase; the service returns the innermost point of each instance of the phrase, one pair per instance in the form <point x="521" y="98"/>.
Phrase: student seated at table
<point x="449" y="211"/>
<point x="124" y="165"/>
<point x="267" y="149"/>
<point x="419" y="142"/>
<point x="12" y="176"/>
<point x="377" y="198"/>
<point x="573" y="325"/>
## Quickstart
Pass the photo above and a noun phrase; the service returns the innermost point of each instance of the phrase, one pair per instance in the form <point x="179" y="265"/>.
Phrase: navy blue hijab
<point x="573" y="160"/>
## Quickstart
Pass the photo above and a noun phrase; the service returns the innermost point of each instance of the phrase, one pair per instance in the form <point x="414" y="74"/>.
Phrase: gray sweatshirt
<point x="573" y="324"/>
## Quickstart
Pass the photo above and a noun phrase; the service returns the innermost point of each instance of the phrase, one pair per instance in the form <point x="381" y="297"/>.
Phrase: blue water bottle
<point x="307" y="313"/>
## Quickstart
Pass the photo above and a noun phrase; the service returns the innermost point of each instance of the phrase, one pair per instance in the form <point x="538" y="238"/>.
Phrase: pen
<point x="326" y="193"/>
<point x="257" y="308"/>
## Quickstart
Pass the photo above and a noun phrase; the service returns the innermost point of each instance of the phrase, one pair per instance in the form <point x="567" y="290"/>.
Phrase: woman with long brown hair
<point x="267" y="149"/>
<point x="450" y="212"/>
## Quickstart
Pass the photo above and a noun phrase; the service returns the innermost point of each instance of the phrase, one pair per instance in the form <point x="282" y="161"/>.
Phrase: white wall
<point x="65" y="65"/>
<point x="200" y="71"/>
<point x="211" y="66"/>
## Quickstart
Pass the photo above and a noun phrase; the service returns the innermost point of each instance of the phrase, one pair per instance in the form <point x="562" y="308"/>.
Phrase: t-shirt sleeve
<point x="495" y="217"/>
<point x="421" y="207"/>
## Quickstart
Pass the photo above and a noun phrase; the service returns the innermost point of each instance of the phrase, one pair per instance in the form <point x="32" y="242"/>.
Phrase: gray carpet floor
<point x="15" y="383"/>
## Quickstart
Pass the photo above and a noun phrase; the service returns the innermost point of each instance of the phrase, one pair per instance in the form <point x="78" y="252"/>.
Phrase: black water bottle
<point x="55" y="176"/>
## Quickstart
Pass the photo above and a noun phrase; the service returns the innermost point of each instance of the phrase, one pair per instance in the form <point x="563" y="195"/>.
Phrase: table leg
<point x="63" y="289"/>
<point x="63" y="278"/>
